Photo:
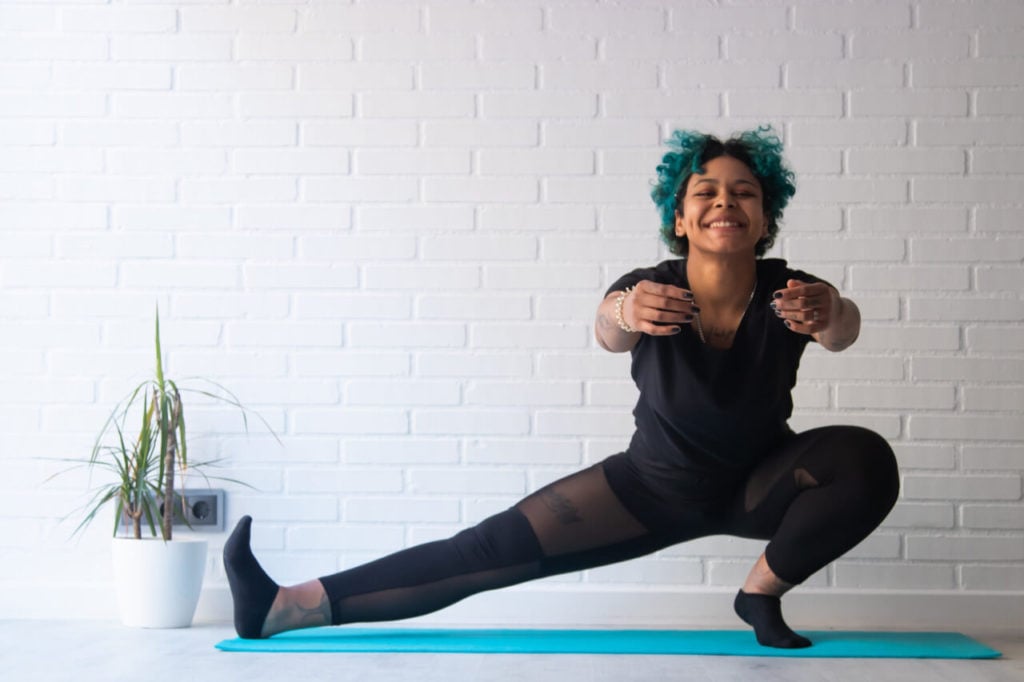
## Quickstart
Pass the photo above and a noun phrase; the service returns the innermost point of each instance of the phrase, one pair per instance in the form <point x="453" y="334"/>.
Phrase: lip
<point x="724" y="224"/>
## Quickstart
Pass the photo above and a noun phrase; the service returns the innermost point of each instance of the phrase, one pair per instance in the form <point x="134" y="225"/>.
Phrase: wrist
<point x="620" y="300"/>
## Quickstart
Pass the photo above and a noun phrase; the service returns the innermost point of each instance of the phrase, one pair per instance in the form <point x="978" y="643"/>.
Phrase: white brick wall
<point x="387" y="225"/>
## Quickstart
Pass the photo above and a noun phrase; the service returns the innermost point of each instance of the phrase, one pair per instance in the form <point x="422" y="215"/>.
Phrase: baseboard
<point x="527" y="606"/>
<point x="806" y="608"/>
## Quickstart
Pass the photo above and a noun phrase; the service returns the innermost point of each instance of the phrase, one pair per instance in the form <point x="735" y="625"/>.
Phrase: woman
<point x="716" y="337"/>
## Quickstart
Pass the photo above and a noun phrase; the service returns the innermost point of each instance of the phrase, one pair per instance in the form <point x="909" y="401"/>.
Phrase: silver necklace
<point x="700" y="327"/>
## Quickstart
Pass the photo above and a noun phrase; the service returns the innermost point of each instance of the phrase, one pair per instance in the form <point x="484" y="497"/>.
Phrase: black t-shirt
<point x="706" y="416"/>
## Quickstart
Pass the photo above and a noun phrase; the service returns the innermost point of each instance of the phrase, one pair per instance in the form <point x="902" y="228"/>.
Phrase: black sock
<point x="251" y="588"/>
<point x="763" y="612"/>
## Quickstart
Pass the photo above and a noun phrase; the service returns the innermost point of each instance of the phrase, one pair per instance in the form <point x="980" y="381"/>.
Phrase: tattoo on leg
<point x="565" y="511"/>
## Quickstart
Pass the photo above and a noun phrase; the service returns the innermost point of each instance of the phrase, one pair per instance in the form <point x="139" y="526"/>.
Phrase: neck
<point x="721" y="283"/>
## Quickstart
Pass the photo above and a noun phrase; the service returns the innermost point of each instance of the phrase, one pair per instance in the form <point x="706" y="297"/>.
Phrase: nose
<point x="725" y="200"/>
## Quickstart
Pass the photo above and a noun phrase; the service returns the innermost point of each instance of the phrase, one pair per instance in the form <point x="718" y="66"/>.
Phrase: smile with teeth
<point x="724" y="223"/>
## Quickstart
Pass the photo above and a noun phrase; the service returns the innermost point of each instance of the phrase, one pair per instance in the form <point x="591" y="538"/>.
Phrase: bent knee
<point x="871" y="460"/>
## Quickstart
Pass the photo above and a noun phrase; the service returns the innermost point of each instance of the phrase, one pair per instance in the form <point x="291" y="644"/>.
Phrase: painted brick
<point x="558" y="104"/>
<point x="894" y="576"/>
<point x="993" y="517"/>
<point x="201" y="19"/>
<point x="994" y="219"/>
<point x="995" y="339"/>
<point x="659" y="47"/>
<point x="290" y="162"/>
<point x="346" y="76"/>
<point x="983" y="428"/>
<point x="1008" y="577"/>
<point x="996" y="310"/>
<point x="783" y="102"/>
<point x="417" y="105"/>
<point x="1009" y="548"/>
<point x="495" y="133"/>
<point x="405" y="392"/>
<point x="917" y="219"/>
<point x="418" y="162"/>
<point x="870" y="278"/>
<point x="999" y="279"/>
<point x="352" y="306"/>
<point x="359" y="189"/>
<point x="903" y="44"/>
<point x="401" y="510"/>
<point x="382" y="451"/>
<point x="465" y="423"/>
<point x="879" y="396"/>
<point x="478" y="189"/>
<point x="531" y="450"/>
<point x="433" y="277"/>
<point x="172" y="48"/>
<point x="999" y="102"/>
<point x="540" y="276"/>
<point x="600" y="133"/>
<point x="907" y="338"/>
<point x="536" y="162"/>
<point x="921" y="515"/>
<point x="961" y="487"/>
<point x="476" y="75"/>
<point x="803" y="249"/>
<point x="352" y="363"/>
<point x="976" y="131"/>
<point x="375" y="133"/>
<point x="473" y="307"/>
<point x="519" y="393"/>
<point x="902" y="102"/>
<point x="739" y="74"/>
<point x="295" y="105"/>
<point x="567" y="423"/>
<point x="407" y="218"/>
<point x="617" y="77"/>
<point x="967" y="369"/>
<point x="406" y="335"/>
<point x="1000" y="43"/>
<point x="882" y="73"/>
<point x="999" y="399"/>
<point x="306" y="46"/>
<point x="909" y="161"/>
<point x="455" y="47"/>
<point x="991" y="458"/>
<point x="352" y="248"/>
<point x="974" y="74"/>
<point x="475" y="364"/>
<point x="881" y="132"/>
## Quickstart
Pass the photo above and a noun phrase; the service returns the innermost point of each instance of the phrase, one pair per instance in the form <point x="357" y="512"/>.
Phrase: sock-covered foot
<point x="251" y="588"/>
<point x="763" y="612"/>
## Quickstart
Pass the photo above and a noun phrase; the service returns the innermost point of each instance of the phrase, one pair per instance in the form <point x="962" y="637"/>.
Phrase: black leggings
<point x="815" y="498"/>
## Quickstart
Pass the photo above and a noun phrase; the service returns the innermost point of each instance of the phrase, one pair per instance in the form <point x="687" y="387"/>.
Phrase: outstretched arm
<point x="650" y="308"/>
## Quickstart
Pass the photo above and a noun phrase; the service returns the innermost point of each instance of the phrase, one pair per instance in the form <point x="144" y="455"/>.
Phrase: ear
<point x="680" y="226"/>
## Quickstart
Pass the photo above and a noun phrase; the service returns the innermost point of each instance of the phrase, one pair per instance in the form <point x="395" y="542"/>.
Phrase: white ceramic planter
<point x="158" y="583"/>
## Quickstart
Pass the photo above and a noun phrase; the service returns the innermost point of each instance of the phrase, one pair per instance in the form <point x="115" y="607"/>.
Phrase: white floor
<point x="87" y="651"/>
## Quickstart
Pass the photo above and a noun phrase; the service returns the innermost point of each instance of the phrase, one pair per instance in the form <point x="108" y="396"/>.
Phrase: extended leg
<point x="573" y="524"/>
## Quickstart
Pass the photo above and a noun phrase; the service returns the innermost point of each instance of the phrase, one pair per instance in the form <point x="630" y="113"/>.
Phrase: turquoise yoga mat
<point x="827" y="644"/>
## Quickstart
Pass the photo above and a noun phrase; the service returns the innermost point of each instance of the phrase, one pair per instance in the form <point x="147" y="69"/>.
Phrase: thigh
<point x="796" y="464"/>
<point x="843" y="457"/>
<point x="578" y="513"/>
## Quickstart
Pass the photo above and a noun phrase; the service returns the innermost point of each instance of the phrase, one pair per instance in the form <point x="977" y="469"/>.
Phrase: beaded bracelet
<point x="618" y="311"/>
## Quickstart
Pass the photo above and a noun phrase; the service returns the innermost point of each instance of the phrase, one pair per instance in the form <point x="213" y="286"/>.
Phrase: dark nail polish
<point x="688" y="317"/>
<point x="696" y="308"/>
<point x="773" y="306"/>
<point x="676" y="330"/>
<point x="789" y="324"/>
<point x="778" y="294"/>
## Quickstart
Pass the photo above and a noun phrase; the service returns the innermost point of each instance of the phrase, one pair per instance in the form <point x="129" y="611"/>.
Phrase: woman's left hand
<point x="806" y="308"/>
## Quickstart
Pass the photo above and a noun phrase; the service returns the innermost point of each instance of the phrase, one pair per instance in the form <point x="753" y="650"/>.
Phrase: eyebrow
<point x="715" y="181"/>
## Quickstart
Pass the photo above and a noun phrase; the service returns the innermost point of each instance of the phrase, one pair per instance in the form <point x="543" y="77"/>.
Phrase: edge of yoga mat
<point x="827" y="643"/>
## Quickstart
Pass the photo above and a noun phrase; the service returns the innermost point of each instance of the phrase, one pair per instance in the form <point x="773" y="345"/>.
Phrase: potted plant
<point x="159" y="578"/>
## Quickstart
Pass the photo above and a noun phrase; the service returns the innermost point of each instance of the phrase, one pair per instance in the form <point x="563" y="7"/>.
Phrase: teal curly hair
<point x="760" y="150"/>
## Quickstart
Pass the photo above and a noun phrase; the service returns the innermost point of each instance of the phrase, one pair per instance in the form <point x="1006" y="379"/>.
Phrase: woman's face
<point x="722" y="211"/>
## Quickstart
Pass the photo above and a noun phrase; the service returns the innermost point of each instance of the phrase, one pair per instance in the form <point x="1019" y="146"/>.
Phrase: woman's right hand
<point x="649" y="308"/>
<point x="658" y="309"/>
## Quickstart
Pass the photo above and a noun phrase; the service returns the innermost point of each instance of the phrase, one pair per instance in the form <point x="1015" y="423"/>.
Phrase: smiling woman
<point x="712" y="452"/>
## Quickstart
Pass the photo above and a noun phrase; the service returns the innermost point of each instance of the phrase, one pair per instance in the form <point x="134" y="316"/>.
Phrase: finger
<point x="665" y="290"/>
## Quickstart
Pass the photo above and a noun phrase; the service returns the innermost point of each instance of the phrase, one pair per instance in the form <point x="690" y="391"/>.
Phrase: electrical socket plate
<point x="205" y="510"/>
